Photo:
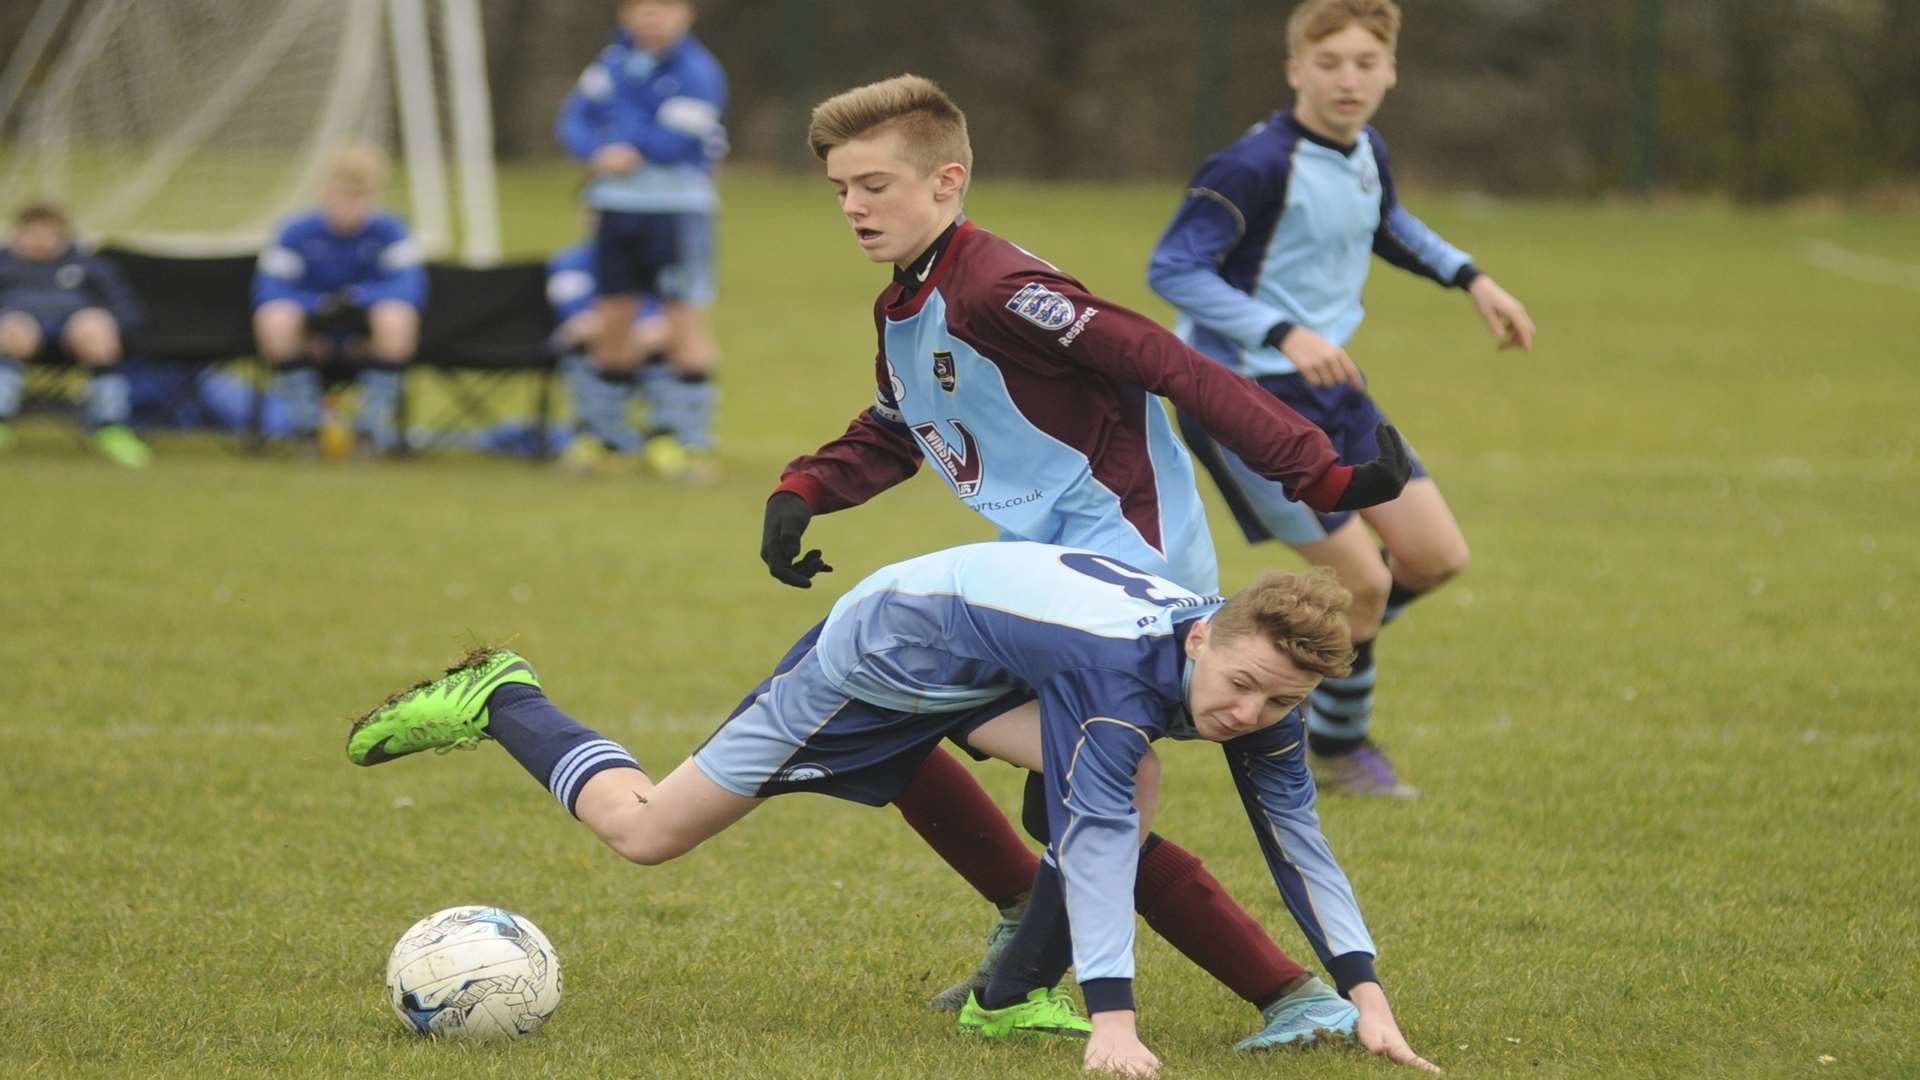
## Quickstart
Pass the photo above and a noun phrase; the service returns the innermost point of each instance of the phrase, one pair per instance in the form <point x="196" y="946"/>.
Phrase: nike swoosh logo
<point x="922" y="275"/>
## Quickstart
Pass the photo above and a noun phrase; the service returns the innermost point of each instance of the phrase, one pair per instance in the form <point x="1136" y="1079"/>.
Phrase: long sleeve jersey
<point x="1279" y="228"/>
<point x="309" y="261"/>
<point x="1038" y="403"/>
<point x="667" y="106"/>
<point x="53" y="289"/>
<point x="1102" y="645"/>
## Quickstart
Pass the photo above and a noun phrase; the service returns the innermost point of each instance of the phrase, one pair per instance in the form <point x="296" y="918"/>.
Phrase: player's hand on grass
<point x="1321" y="362"/>
<point x="1115" y="1047"/>
<point x="614" y="159"/>
<point x="786" y="522"/>
<point x="1378" y="1032"/>
<point x="1507" y="317"/>
<point x="1381" y="479"/>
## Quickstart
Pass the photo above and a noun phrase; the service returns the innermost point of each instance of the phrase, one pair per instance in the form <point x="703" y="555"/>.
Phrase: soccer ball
<point x="474" y="973"/>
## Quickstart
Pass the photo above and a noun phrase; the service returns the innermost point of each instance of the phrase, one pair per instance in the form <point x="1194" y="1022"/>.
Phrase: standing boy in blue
<point x="1036" y="401"/>
<point x="54" y="297"/>
<point x="333" y="277"/>
<point x="1266" y="260"/>
<point x="645" y="117"/>
<point x="1056" y="659"/>
<point x="605" y="435"/>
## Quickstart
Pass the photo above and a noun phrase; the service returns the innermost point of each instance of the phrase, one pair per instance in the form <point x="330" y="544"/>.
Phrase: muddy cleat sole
<point x="1047" y="1011"/>
<point x="1312" y="1014"/>
<point x="447" y="713"/>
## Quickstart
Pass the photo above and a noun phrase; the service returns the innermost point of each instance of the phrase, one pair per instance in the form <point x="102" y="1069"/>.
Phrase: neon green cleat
<point x="122" y="447"/>
<point x="448" y="713"/>
<point x="1047" y="1011"/>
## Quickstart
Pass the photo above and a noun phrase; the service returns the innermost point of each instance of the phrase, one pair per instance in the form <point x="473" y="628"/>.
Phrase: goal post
<point x="194" y="125"/>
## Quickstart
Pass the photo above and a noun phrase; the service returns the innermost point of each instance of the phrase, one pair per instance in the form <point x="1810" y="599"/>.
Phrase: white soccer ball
<point x="474" y="973"/>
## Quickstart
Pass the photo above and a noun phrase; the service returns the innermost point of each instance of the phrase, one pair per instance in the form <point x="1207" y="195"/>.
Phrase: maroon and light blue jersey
<point x="1039" y="405"/>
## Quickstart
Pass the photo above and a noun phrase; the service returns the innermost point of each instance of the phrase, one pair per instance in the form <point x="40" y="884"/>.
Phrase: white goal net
<point x="194" y="125"/>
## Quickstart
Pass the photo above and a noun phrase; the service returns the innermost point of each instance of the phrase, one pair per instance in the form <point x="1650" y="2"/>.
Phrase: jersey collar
<point x="924" y="274"/>
<point x="1300" y="129"/>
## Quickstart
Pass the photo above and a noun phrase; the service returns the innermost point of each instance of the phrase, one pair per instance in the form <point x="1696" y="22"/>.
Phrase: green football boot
<point x="1047" y="1011"/>
<point x="122" y="447"/>
<point x="448" y="713"/>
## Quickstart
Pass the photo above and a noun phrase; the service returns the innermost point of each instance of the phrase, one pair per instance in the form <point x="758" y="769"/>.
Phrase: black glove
<point x="787" y="517"/>
<point x="1381" y="479"/>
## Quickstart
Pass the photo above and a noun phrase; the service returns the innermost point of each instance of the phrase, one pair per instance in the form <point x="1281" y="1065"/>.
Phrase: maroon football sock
<point x="956" y="817"/>
<point x="1184" y="904"/>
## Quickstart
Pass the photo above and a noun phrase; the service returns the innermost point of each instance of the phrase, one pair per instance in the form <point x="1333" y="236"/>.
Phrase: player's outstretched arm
<point x="1505" y="315"/>
<point x="1378" y="1031"/>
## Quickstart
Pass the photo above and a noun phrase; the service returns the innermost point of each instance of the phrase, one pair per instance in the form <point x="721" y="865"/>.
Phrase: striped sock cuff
<point x="581" y="763"/>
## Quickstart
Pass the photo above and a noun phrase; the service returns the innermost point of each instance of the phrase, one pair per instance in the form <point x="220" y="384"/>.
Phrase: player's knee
<point x="1370" y="585"/>
<point x="19" y="335"/>
<point x="93" y="337"/>
<point x="1432" y="567"/>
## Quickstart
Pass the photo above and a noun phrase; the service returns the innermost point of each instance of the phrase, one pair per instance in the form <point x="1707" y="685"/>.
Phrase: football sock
<point x="1398" y="597"/>
<point x="1187" y="906"/>
<point x="298" y="385"/>
<point x="13" y="375"/>
<point x="1040" y="951"/>
<point x="682" y="403"/>
<point x="557" y="749"/>
<point x="601" y="398"/>
<point x="109" y="399"/>
<point x="1341" y="708"/>
<point x="959" y="821"/>
<point x="380" y="386"/>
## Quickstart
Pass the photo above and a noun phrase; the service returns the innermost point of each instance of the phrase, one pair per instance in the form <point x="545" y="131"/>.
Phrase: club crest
<point x="1042" y="307"/>
<point x="943" y="370"/>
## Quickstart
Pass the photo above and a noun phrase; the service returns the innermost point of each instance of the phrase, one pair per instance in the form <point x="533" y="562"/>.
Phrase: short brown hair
<point x="1303" y="616"/>
<point x="932" y="128"/>
<point x="42" y="213"/>
<point x="1317" y="20"/>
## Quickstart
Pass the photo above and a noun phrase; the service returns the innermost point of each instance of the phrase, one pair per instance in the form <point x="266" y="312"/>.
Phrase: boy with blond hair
<point x="1266" y="260"/>
<point x="1036" y="400"/>
<point x="334" y="278"/>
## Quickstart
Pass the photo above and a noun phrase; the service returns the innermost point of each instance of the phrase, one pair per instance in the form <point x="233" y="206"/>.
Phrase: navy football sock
<point x="557" y="749"/>
<point x="1341" y="709"/>
<point x="1041" y="949"/>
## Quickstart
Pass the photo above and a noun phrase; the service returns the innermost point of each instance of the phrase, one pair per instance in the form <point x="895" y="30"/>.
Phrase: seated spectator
<point x="600" y="398"/>
<point x="57" y="301"/>
<point x="342" y="285"/>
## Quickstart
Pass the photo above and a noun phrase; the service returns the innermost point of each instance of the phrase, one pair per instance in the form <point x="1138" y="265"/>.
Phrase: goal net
<point x="195" y="125"/>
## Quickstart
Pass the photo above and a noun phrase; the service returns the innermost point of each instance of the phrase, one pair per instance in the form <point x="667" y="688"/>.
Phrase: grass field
<point x="1664" y="725"/>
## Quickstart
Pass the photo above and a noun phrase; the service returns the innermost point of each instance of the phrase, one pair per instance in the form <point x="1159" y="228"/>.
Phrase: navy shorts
<point x="664" y="255"/>
<point x="1348" y="416"/>
<point x="798" y="732"/>
<point x="52" y="322"/>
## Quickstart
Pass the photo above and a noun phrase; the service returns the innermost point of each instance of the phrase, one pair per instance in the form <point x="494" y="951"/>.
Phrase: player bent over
<point x="1056" y="659"/>
<point x="1267" y="259"/>
<point x="1038" y="403"/>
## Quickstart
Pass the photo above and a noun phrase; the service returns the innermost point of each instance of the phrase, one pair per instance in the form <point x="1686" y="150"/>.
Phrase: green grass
<point x="1664" y="724"/>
